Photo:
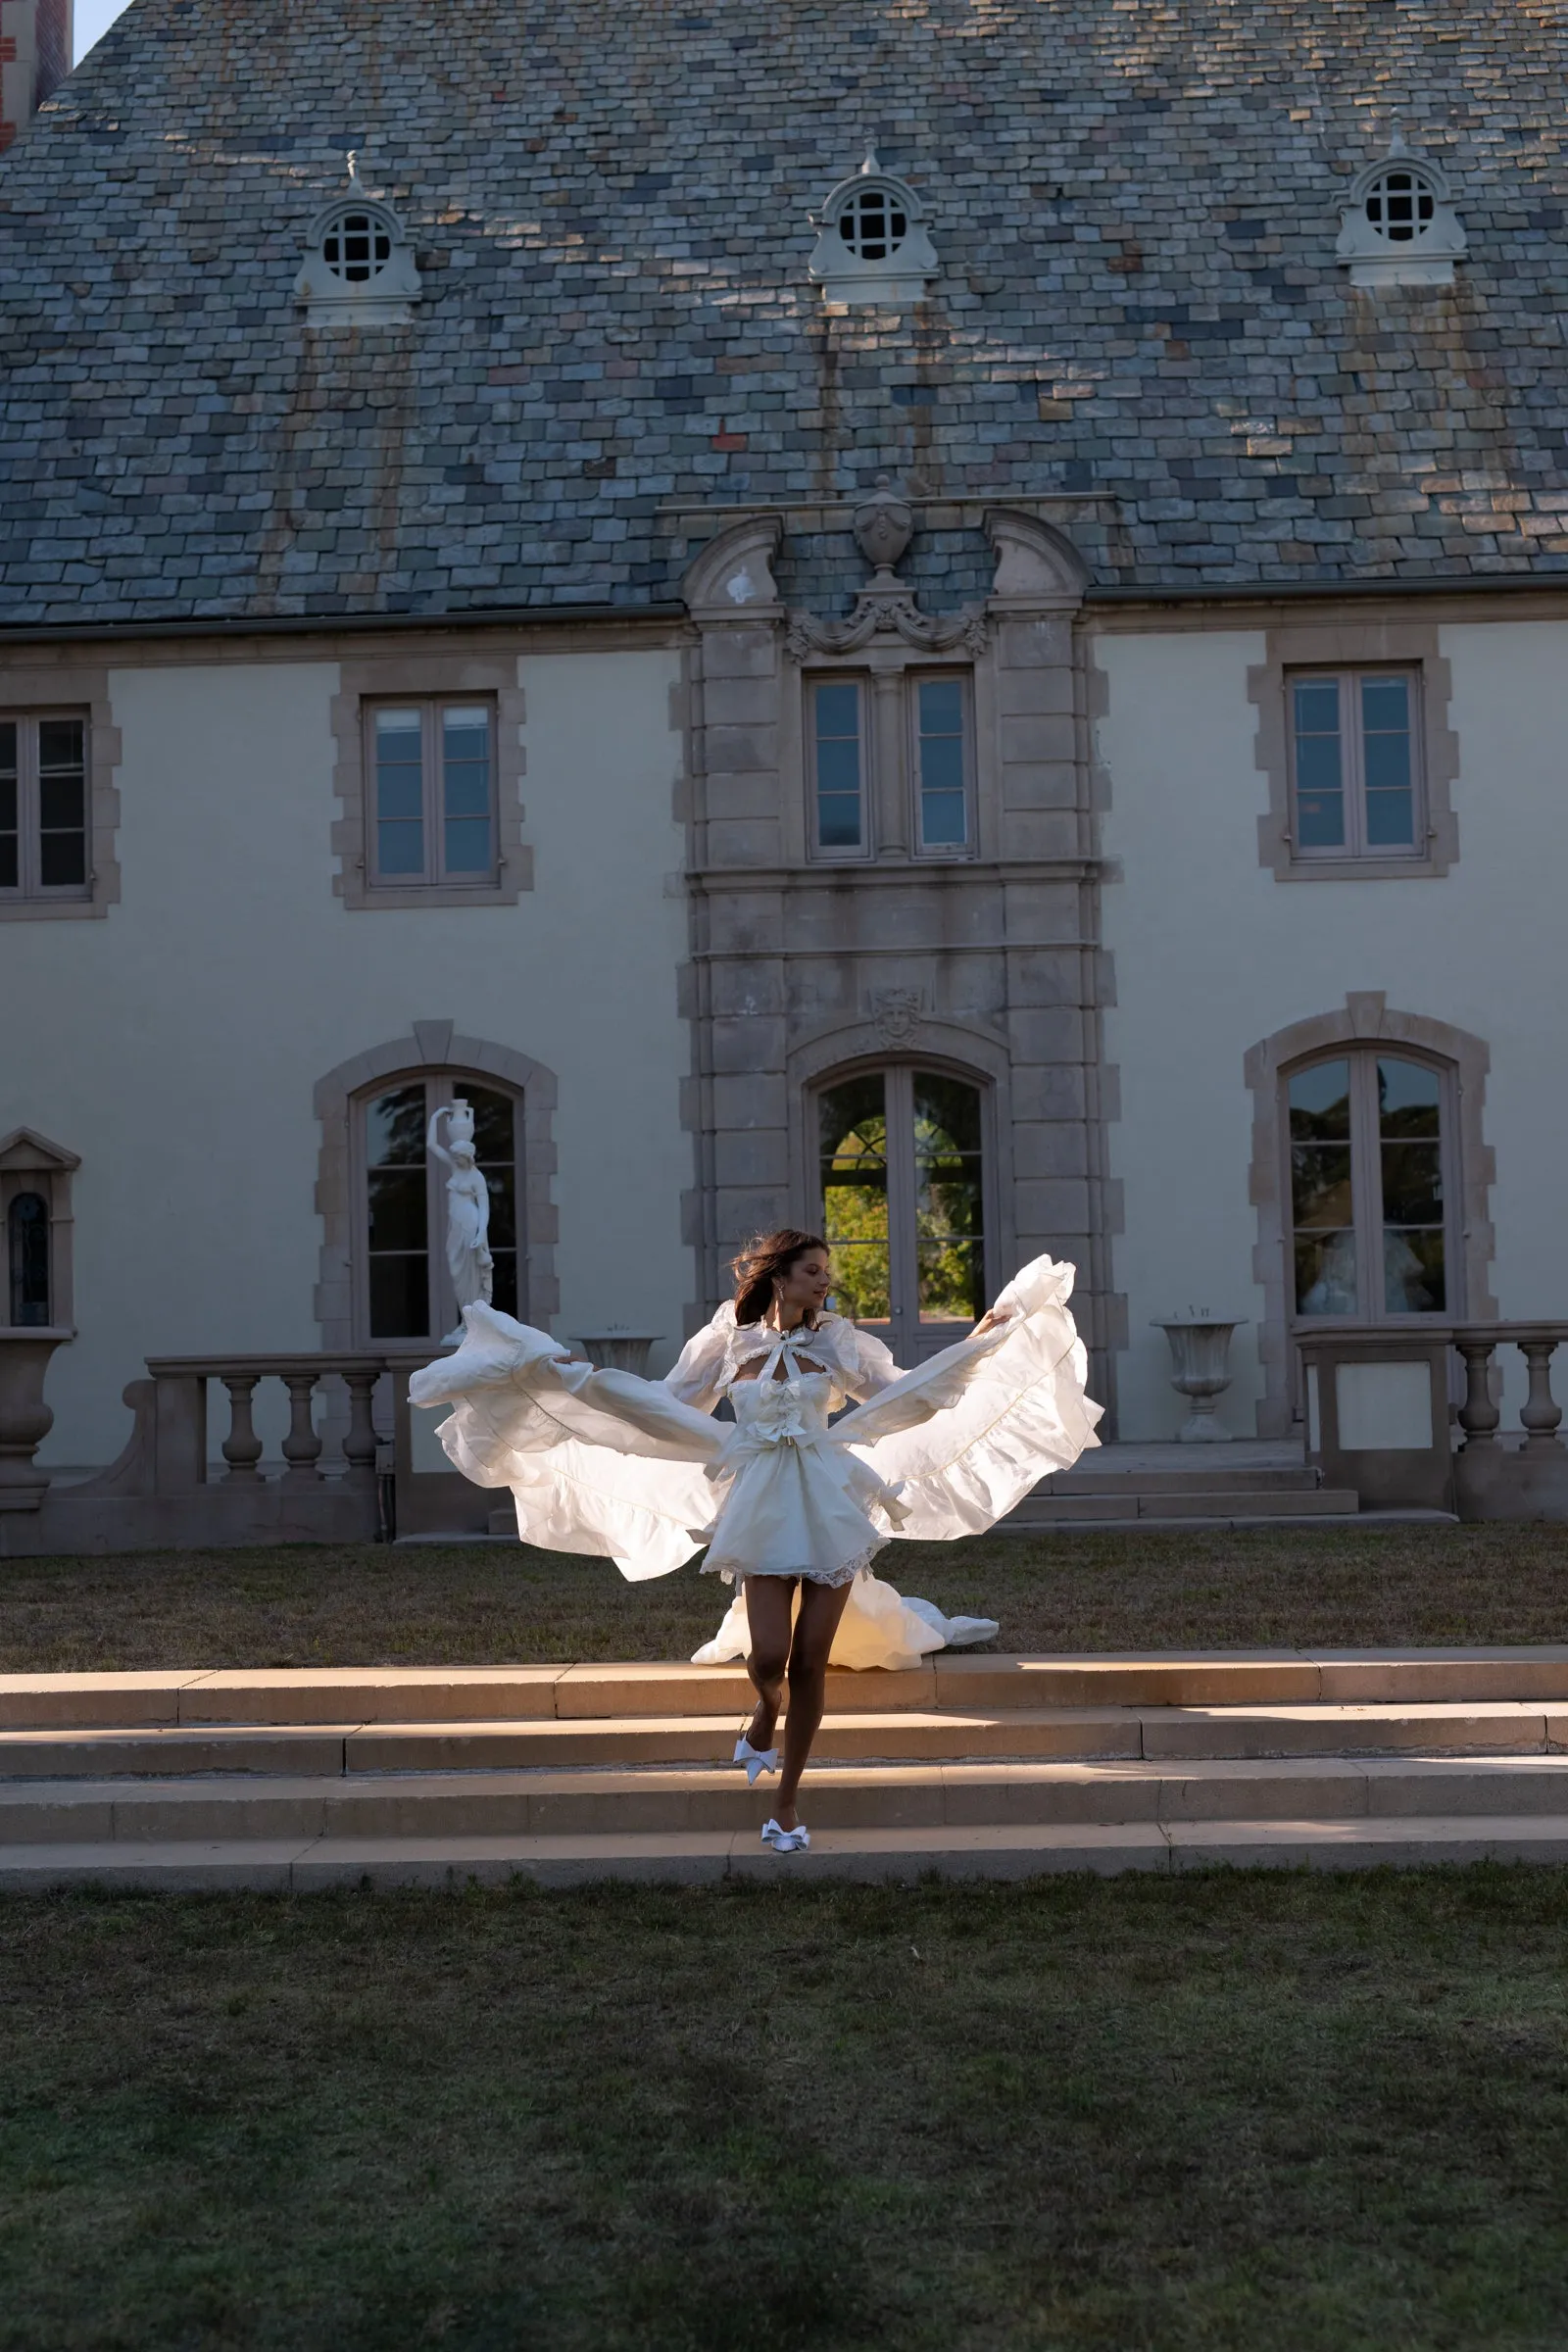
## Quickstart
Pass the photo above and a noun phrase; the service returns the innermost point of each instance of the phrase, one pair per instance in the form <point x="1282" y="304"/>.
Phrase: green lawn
<point x="483" y="1605"/>
<point x="1259" y="2112"/>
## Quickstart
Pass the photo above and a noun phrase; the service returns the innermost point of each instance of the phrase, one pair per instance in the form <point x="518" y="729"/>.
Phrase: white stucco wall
<point x="1212" y="954"/>
<point x="175" y="1044"/>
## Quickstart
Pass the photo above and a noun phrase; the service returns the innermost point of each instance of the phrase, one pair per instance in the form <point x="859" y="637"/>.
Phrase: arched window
<point x="902" y="1188"/>
<point x="27" y="1235"/>
<point x="1371" y="1187"/>
<point x="404" y="1291"/>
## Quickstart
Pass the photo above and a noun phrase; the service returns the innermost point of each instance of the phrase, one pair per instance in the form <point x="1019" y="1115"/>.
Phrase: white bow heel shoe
<point x="756" y="1759"/>
<point x="787" y="1841"/>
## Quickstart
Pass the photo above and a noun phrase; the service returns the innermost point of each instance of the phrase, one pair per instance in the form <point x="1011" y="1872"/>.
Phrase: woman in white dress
<point x="791" y="1505"/>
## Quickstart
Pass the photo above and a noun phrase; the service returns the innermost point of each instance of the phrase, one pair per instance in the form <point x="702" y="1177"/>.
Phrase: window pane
<point x="1322" y="1207"/>
<point x="467" y="845"/>
<point x="399" y="1216"/>
<point x="1320" y="1102"/>
<point x="62" y="743"/>
<point x="61" y="802"/>
<point x="10" y="862"/>
<point x="394" y="1129"/>
<point x="1409" y="1098"/>
<point x="949" y="1199"/>
<point x="400" y="1297"/>
<point x="466" y="769"/>
<point x="7" y="747"/>
<point x="62" y="859"/>
<point x="1325" y="1274"/>
<point x="1412" y="1184"/>
<point x="1414" y="1279"/>
<point x="494" y="1125"/>
<point x="944" y="813"/>
<point x="852" y="1131"/>
<point x="1319" y="767"/>
<point x="28" y="1223"/>
<point x="399" y="793"/>
<point x="836" y="712"/>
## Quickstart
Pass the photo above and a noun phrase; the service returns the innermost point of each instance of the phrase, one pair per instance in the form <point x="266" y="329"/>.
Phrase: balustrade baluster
<point x="1541" y="1412"/>
<point x="302" y="1447"/>
<point x="360" y="1442"/>
<point x="242" y="1447"/>
<point x="1479" y="1415"/>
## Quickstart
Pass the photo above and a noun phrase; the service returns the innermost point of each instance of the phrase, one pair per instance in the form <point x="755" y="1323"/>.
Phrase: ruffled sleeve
<point x="697" y="1377"/>
<point x="866" y="1366"/>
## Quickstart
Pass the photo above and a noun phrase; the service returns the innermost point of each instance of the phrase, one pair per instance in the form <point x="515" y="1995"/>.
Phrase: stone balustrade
<point x="1380" y="1417"/>
<point x="159" y="1490"/>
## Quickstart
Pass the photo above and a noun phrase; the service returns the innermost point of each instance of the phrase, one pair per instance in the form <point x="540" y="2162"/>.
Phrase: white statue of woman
<point x="468" y="1256"/>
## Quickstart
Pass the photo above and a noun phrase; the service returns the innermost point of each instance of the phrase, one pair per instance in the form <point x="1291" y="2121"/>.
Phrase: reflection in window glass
<point x="27" y="1234"/>
<point x="398" y="794"/>
<point x="466" y="768"/>
<point x="1386" y="769"/>
<point x="836" y="715"/>
<point x="10" y="808"/>
<point x="1322" y="1198"/>
<point x="1410" y="1151"/>
<point x="853" y="1143"/>
<point x="496" y="1150"/>
<point x="398" y="1245"/>
<point x="1319" y="764"/>
<point x="950" y="1241"/>
<point x="944" y="800"/>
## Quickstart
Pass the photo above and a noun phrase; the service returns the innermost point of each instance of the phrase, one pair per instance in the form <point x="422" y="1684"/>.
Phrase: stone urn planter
<point x="1200" y="1357"/>
<point x="617" y="1350"/>
<point x="25" y="1418"/>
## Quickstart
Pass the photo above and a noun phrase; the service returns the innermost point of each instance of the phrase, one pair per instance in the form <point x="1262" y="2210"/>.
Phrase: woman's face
<point x="805" y="1286"/>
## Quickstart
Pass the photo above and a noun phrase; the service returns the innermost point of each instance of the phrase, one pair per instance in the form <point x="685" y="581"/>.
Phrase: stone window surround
<point x="852" y="1051"/>
<point x="1365" y="1022"/>
<point x="431" y="1049"/>
<point x="890" y="790"/>
<point x="1352" y="644"/>
<point x="41" y="688"/>
<point x="31" y="1163"/>
<point x="386" y="677"/>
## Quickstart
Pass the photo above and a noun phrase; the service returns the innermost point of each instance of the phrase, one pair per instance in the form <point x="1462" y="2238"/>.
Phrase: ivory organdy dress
<point x="639" y="1470"/>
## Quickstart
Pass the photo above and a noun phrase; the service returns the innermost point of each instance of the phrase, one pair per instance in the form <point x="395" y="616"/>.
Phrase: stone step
<point x="651" y="1801"/>
<point x="904" y="1734"/>
<point x="1119" y="1507"/>
<point x="334" y="1698"/>
<point x="1004" y="1850"/>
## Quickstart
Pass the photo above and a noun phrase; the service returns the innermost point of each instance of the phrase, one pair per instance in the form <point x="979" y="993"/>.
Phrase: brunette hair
<point x="765" y="1260"/>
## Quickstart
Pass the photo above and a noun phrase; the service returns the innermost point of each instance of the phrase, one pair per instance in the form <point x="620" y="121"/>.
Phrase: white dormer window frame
<point x="359" y="267"/>
<point x="874" y="246"/>
<point x="1399" y="227"/>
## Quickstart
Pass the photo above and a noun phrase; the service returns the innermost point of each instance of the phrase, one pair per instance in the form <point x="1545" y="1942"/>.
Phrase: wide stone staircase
<point x="973" y="1766"/>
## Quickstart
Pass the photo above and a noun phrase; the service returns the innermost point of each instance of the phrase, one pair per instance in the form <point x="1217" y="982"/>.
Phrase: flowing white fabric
<point x="638" y="1471"/>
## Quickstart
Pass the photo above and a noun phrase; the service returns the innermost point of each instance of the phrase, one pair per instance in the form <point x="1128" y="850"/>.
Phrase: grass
<point x="1322" y="2114"/>
<point x="483" y="1605"/>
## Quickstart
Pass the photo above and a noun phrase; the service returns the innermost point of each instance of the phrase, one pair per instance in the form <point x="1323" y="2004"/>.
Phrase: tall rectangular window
<point x="433" y="793"/>
<point x="1355" y="770"/>
<point x="942" y="764"/>
<point x="43" y="808"/>
<point x="838" y="766"/>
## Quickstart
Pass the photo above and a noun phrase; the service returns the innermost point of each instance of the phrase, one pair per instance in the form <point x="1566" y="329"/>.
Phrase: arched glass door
<point x="1371" y="1190"/>
<point x="405" y="1289"/>
<point x="902" y="1193"/>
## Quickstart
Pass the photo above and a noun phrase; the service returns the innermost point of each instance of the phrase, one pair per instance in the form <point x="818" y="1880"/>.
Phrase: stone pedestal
<point x="617" y="1351"/>
<point x="1201" y="1354"/>
<point x="25" y="1418"/>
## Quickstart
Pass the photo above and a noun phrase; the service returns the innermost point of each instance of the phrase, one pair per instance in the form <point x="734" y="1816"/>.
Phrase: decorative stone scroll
<point x="885" y="606"/>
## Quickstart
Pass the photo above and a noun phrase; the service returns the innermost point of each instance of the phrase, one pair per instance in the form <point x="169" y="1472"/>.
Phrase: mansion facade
<point x="977" y="747"/>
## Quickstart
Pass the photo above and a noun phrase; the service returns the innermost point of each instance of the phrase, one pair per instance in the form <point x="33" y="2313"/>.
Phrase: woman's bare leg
<point x="821" y="1607"/>
<point x="769" y="1600"/>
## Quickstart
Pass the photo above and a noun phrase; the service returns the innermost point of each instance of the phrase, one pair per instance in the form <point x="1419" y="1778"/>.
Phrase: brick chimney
<point x="34" y="57"/>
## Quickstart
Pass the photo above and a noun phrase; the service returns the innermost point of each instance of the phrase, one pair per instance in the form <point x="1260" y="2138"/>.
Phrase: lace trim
<point x="735" y="1571"/>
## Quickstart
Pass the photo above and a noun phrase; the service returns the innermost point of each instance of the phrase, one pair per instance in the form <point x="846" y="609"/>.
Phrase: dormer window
<point x="1399" y="229"/>
<point x="358" y="268"/>
<point x="872" y="245"/>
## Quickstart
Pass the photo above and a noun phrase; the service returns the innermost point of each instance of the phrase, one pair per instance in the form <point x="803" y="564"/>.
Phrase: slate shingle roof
<point x="1135" y="204"/>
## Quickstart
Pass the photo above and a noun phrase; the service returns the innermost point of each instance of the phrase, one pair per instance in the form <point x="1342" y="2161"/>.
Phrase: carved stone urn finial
<point x="883" y="528"/>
